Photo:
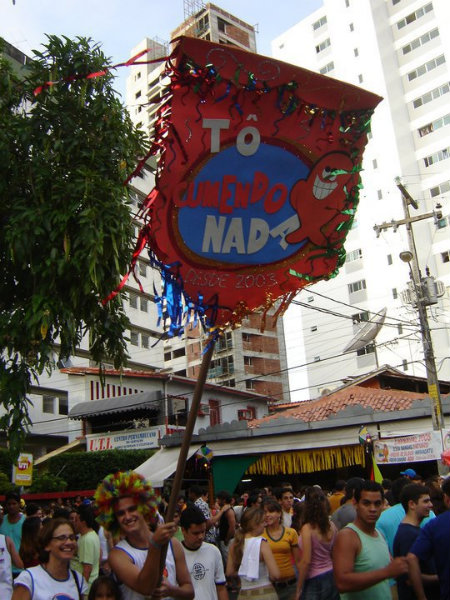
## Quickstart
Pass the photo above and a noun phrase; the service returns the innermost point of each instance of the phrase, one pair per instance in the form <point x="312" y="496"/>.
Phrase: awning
<point x="60" y="450"/>
<point x="162" y="464"/>
<point x="131" y="402"/>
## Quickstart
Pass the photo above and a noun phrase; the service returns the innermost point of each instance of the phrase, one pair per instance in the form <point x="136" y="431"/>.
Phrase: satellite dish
<point x="367" y="333"/>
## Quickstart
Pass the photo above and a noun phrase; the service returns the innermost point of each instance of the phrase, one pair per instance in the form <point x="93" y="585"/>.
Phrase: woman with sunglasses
<point x="52" y="578"/>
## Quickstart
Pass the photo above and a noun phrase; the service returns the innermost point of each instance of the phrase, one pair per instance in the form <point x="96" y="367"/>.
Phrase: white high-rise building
<point x="399" y="49"/>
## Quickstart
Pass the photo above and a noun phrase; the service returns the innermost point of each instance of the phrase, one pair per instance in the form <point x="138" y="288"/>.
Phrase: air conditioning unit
<point x="203" y="410"/>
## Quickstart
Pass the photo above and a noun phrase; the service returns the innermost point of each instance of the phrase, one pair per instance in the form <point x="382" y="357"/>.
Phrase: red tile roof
<point x="321" y="408"/>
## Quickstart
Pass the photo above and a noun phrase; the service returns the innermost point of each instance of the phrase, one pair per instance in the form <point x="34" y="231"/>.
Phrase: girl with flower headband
<point x="127" y="505"/>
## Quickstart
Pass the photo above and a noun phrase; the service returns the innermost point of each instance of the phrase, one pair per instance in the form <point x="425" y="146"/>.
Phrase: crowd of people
<point x="360" y="541"/>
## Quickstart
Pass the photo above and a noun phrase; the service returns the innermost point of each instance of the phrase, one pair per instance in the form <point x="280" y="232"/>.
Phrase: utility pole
<point x="422" y="293"/>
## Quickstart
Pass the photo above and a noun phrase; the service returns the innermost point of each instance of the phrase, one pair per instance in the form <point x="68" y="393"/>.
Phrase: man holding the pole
<point x="127" y="505"/>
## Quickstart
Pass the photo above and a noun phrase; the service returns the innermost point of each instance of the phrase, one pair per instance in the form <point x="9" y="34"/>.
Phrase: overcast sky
<point x="119" y="25"/>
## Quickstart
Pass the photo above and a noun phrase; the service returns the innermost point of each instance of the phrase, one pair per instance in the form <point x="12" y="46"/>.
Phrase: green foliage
<point x="5" y="484"/>
<point x="46" y="482"/>
<point x="65" y="225"/>
<point x="6" y="461"/>
<point x="85" y="470"/>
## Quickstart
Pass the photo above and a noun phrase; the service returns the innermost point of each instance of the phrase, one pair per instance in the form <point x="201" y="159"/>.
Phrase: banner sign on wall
<point x="23" y="470"/>
<point x="136" y="439"/>
<point x="411" y="448"/>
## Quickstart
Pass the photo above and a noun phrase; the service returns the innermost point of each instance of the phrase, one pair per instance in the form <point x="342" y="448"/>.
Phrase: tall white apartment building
<point x="245" y="358"/>
<point x="399" y="49"/>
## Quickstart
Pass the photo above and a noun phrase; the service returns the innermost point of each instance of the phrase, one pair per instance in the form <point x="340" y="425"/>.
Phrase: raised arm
<point x="145" y="580"/>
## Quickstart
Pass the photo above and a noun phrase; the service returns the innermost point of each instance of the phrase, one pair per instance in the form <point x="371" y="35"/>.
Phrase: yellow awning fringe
<point x="308" y="461"/>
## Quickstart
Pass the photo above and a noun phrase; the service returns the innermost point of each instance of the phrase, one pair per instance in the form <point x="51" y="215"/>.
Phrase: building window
<point x="417" y="14"/>
<point x="319" y="23"/>
<point x="394" y="293"/>
<point x="360" y="78"/>
<point x="142" y="269"/>
<point x="356" y="286"/>
<point x="48" y="404"/>
<point x="145" y="340"/>
<point x="214" y="412"/>
<point x="353" y="255"/>
<point x="421" y="41"/>
<point x="427" y="67"/>
<point x="437" y="157"/>
<point x="167" y="356"/>
<point x="249" y="384"/>
<point x="429" y="96"/>
<point x="138" y="94"/>
<point x="179" y="352"/>
<point x="327" y="68"/>
<point x="445" y="256"/>
<point x="144" y="304"/>
<point x="323" y="45"/>
<point x="356" y="52"/>
<point x="63" y="405"/>
<point x="437" y="124"/>
<point x="369" y="349"/>
<point x="134" y="338"/>
<point x="246" y="337"/>
<point x="248" y="360"/>
<point x="133" y="300"/>
<point x="389" y="259"/>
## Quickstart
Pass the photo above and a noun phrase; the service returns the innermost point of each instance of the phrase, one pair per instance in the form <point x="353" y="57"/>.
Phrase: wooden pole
<point x="182" y="457"/>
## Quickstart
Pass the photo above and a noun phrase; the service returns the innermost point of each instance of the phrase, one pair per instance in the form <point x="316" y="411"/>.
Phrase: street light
<point x="430" y="364"/>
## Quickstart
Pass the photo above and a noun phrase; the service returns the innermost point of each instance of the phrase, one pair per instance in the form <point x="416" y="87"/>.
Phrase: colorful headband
<point x="123" y="484"/>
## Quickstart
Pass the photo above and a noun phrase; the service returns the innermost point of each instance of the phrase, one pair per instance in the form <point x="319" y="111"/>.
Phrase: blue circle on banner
<point x="237" y="208"/>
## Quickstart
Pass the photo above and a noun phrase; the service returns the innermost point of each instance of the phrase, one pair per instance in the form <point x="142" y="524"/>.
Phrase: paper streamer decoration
<point x="257" y="182"/>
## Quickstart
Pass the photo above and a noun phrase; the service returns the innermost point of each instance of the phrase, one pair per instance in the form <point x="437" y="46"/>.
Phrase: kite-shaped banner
<point x="258" y="177"/>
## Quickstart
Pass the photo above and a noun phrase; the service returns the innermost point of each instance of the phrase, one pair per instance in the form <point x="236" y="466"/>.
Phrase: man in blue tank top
<point x="361" y="560"/>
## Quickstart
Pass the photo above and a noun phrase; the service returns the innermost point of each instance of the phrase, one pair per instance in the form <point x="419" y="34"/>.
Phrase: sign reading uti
<point x="258" y="177"/>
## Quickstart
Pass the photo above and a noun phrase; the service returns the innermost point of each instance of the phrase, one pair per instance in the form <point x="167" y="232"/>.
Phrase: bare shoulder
<point x="348" y="537"/>
<point x="119" y="556"/>
<point x="177" y="548"/>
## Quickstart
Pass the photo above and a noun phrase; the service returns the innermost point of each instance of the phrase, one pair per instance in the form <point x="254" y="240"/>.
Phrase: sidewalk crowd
<point x="360" y="541"/>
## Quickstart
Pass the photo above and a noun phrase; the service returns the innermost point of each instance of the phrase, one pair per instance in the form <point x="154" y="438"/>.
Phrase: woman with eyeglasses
<point x="52" y="578"/>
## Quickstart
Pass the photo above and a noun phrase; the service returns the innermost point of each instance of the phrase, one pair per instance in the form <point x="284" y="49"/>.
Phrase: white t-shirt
<point x="42" y="586"/>
<point x="138" y="557"/>
<point x="5" y="570"/>
<point x="206" y="570"/>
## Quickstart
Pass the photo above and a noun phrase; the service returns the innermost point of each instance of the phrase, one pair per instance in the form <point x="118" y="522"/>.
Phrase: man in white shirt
<point x="203" y="560"/>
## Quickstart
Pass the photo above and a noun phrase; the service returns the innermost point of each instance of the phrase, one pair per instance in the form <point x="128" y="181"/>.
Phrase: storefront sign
<point x="135" y="439"/>
<point x="23" y="470"/>
<point x="411" y="448"/>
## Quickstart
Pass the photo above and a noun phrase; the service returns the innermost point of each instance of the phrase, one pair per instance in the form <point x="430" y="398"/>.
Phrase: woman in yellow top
<point x="283" y="542"/>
